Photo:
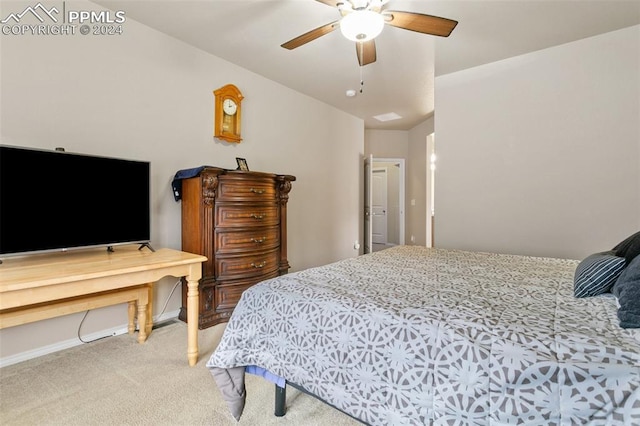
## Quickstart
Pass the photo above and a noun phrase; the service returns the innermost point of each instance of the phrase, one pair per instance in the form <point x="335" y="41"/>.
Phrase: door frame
<point x="430" y="179"/>
<point x="369" y="160"/>
<point x="368" y="196"/>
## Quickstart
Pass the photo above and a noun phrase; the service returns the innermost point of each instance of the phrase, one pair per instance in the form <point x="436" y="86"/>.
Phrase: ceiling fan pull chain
<point x="361" y="66"/>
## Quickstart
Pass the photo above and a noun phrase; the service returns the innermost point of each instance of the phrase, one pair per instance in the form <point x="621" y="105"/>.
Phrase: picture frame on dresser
<point x="242" y="164"/>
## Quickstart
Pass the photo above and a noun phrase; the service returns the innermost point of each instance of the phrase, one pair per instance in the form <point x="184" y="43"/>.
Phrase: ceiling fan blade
<point x="366" y="52"/>
<point x="421" y="23"/>
<point x="332" y="3"/>
<point x="310" y="36"/>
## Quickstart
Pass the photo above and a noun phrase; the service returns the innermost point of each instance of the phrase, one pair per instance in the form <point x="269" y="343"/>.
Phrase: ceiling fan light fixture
<point x="362" y="25"/>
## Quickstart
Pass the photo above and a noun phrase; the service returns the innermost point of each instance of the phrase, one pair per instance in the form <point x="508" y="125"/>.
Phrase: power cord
<point x="80" y="326"/>
<point x="103" y="337"/>
<point x="168" y="298"/>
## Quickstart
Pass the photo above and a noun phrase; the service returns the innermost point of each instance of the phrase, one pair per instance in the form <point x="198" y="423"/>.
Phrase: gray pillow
<point x="627" y="289"/>
<point x="629" y="248"/>
<point x="597" y="274"/>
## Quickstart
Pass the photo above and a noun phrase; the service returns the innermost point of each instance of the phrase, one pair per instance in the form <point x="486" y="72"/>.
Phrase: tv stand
<point x="38" y="287"/>
<point x="110" y="249"/>
<point x="147" y="245"/>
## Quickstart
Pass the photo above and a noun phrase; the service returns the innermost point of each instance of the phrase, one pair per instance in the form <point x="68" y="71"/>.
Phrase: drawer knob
<point x="258" y="240"/>
<point x="258" y="265"/>
<point x="257" y="216"/>
<point x="257" y="191"/>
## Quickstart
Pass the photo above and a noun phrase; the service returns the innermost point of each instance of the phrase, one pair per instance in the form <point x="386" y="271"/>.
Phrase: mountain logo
<point x="39" y="11"/>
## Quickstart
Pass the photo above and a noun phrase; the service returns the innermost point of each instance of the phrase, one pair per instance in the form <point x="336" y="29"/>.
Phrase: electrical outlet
<point x="356" y="245"/>
<point x="413" y="239"/>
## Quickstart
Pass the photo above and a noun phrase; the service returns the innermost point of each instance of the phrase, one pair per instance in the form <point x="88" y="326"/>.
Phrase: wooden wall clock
<point x="228" y="115"/>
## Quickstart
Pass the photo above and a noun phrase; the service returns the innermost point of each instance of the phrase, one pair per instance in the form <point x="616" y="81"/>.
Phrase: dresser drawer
<point x="230" y="188"/>
<point x="244" y="266"/>
<point x="247" y="215"/>
<point x="228" y="294"/>
<point x="228" y="240"/>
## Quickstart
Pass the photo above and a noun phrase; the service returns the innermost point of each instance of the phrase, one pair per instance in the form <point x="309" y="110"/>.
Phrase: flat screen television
<point x="54" y="201"/>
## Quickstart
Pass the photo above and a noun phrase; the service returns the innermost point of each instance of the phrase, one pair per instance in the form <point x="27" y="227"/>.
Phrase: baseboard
<point x="59" y="346"/>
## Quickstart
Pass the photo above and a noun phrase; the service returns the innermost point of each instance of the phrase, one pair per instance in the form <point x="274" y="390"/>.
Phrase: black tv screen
<point x="53" y="200"/>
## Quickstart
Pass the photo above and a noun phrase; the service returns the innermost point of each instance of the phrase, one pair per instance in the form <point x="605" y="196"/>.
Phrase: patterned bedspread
<point x="419" y="336"/>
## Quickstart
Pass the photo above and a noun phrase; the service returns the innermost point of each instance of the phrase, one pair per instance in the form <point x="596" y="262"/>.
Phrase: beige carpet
<point x="116" y="381"/>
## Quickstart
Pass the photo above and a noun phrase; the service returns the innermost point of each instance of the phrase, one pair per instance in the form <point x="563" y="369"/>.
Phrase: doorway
<point x="384" y="203"/>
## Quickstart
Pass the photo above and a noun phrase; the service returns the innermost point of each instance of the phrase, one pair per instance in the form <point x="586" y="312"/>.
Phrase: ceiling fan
<point x="362" y="21"/>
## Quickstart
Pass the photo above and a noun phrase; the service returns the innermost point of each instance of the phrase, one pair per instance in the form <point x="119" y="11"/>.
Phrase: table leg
<point x="192" y="320"/>
<point x="143" y="312"/>
<point x="131" y="311"/>
<point x="150" y="309"/>
<point x="142" y="322"/>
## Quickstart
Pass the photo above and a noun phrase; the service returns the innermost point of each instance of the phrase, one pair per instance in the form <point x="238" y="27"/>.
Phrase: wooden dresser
<point x="238" y="220"/>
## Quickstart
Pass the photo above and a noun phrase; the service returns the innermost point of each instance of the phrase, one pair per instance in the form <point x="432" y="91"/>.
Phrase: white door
<point x="379" y="206"/>
<point x="368" y="196"/>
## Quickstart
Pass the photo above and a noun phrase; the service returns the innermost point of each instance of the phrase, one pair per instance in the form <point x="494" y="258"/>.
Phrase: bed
<point x="417" y="336"/>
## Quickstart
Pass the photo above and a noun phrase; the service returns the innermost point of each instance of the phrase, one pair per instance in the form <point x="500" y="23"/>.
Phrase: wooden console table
<point x="42" y="286"/>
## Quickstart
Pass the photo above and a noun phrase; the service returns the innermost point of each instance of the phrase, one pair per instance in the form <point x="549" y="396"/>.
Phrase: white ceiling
<point x="249" y="33"/>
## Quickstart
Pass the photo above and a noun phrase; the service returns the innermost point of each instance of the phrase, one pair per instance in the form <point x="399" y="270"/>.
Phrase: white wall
<point x="386" y="143"/>
<point x="540" y="154"/>
<point x="144" y="95"/>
